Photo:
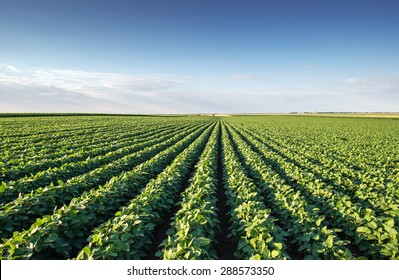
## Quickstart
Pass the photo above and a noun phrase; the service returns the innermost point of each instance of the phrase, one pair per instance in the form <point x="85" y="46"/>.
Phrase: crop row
<point x="270" y="187"/>
<point x="131" y="230"/>
<point x="193" y="229"/>
<point x="72" y="169"/>
<point x="374" y="235"/>
<point x="72" y="149"/>
<point x="298" y="219"/>
<point x="64" y="233"/>
<point x="21" y="212"/>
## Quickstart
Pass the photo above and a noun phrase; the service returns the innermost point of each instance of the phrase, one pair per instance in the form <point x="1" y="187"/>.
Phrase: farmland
<point x="199" y="187"/>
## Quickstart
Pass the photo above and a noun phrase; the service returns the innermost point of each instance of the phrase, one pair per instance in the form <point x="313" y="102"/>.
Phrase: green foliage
<point x="73" y="222"/>
<point x="98" y="187"/>
<point x="195" y="224"/>
<point x="252" y="225"/>
<point x="23" y="211"/>
<point x="126" y="235"/>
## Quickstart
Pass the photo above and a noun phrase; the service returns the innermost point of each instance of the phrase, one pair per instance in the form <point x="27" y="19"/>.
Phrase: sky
<point x="199" y="56"/>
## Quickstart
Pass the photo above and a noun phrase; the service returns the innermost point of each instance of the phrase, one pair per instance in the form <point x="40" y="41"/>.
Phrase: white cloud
<point x="93" y="83"/>
<point x="375" y="86"/>
<point x="60" y="90"/>
<point x="352" y="81"/>
<point x="9" y="68"/>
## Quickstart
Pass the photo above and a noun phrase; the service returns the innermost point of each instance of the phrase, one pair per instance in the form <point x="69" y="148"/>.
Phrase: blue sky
<point x="157" y="56"/>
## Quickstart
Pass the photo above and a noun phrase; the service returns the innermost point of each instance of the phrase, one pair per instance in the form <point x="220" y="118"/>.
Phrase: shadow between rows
<point x="354" y="180"/>
<point x="276" y="167"/>
<point x="351" y="193"/>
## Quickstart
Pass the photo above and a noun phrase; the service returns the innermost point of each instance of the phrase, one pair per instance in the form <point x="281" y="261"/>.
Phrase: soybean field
<point x="198" y="187"/>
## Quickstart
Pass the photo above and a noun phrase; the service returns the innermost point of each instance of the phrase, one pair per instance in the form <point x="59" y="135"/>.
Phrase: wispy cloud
<point x="96" y="84"/>
<point x="374" y="85"/>
<point x="61" y="90"/>
<point x="8" y="68"/>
